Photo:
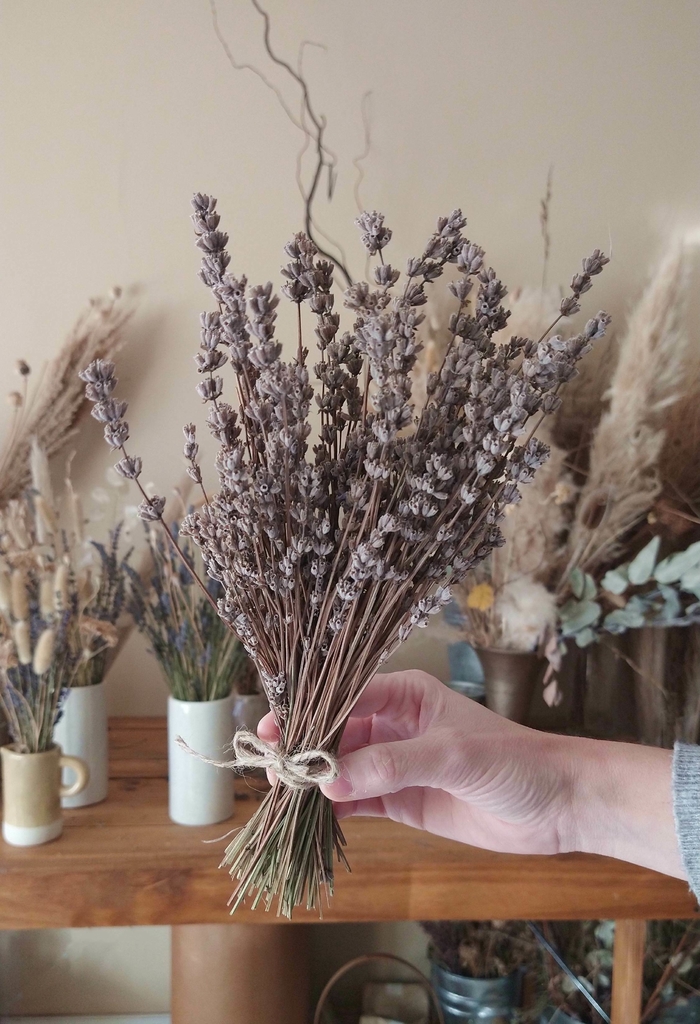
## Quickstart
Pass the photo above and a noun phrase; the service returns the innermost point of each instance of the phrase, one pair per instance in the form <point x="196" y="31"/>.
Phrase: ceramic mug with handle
<point x="32" y="791"/>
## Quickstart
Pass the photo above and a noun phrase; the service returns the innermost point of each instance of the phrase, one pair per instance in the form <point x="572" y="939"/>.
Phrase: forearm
<point x="621" y="803"/>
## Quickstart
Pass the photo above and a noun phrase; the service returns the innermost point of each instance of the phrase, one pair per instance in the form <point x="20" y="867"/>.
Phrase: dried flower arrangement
<point x="481" y="949"/>
<point x="671" y="969"/>
<point x="39" y="642"/>
<point x="328" y="564"/>
<point x="587" y="949"/>
<point x="48" y="411"/>
<point x="199" y="655"/>
<point x="60" y="598"/>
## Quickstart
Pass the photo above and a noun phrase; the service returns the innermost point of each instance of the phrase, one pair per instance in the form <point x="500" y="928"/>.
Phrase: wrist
<point x="620" y="802"/>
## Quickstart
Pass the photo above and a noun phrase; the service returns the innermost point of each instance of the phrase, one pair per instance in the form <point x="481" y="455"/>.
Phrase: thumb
<point x="383" y="768"/>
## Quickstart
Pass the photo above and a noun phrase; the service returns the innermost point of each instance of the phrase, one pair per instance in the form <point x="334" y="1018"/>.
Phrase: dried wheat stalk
<point x="50" y="411"/>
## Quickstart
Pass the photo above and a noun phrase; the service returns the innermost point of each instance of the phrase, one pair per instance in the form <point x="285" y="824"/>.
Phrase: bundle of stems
<point x="199" y="655"/>
<point x="328" y="562"/>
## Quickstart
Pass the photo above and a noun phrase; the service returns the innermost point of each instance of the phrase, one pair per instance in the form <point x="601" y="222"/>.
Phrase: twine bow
<point x="302" y="770"/>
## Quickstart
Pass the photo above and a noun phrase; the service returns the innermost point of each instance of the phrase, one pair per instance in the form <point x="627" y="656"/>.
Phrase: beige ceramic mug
<point x="32" y="791"/>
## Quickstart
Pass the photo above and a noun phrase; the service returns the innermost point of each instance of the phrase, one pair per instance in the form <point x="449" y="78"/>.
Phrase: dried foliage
<point x="481" y="949"/>
<point x="48" y="411"/>
<point x="521" y="611"/>
<point x="61" y="596"/>
<point x="656" y="361"/>
<point x="329" y="562"/>
<point x="200" y="657"/>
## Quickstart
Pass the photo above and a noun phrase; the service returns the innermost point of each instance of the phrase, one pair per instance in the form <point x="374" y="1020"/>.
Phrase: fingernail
<point x="341" y="789"/>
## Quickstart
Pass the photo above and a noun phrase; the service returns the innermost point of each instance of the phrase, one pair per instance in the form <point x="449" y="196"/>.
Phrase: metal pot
<point x="510" y="678"/>
<point x="472" y="1000"/>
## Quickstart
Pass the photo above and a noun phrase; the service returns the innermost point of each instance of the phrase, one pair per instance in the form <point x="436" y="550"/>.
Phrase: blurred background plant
<point x="199" y="655"/>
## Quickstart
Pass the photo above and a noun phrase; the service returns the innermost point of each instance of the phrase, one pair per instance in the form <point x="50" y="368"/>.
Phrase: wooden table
<point x="123" y="862"/>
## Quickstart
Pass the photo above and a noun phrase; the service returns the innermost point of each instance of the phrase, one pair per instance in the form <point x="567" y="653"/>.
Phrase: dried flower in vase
<point x="199" y="655"/>
<point x="39" y="630"/>
<point x="329" y="560"/>
<point x="481" y="949"/>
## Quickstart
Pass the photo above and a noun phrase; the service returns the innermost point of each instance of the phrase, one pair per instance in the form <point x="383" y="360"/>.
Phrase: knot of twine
<point x="302" y="770"/>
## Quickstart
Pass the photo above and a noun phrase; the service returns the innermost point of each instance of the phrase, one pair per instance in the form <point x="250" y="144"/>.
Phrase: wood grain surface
<point x="123" y="862"/>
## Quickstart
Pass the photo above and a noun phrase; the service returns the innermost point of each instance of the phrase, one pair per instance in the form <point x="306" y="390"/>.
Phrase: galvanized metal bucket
<point x="473" y="1000"/>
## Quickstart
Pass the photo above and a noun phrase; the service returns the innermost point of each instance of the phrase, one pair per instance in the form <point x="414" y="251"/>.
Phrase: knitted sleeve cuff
<point x="686" y="809"/>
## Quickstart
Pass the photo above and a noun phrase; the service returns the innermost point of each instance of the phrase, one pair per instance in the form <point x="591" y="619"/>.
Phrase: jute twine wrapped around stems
<point x="301" y="770"/>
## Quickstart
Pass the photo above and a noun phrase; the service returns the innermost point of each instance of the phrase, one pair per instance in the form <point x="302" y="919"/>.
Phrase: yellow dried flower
<point x="43" y="655"/>
<point x="19" y="596"/>
<point x="90" y="628"/>
<point x="23" y="642"/>
<point x="564" y="493"/>
<point x="480" y="597"/>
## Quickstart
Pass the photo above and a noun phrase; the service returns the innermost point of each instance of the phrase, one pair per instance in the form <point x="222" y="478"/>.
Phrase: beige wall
<point x="112" y="112"/>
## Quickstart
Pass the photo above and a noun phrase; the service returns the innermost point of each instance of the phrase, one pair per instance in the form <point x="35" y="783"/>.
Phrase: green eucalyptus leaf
<point x="585" y="637"/>
<point x="670" y="569"/>
<point x="589" y="588"/>
<point x="642" y="565"/>
<point x="578" y="582"/>
<point x="577" y="615"/>
<point x="621" y="619"/>
<point x="672" y="608"/>
<point x="615" y="581"/>
<point x="690" y="581"/>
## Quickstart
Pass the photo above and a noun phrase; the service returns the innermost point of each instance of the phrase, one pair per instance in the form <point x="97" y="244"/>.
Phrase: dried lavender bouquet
<point x="330" y="558"/>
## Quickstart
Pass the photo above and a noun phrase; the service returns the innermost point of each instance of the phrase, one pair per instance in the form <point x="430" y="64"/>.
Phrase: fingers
<point x="392" y="688"/>
<point x="268" y="729"/>
<point x="435" y="759"/>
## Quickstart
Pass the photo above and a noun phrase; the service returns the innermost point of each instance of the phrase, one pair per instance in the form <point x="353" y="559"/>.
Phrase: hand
<point x="418" y="753"/>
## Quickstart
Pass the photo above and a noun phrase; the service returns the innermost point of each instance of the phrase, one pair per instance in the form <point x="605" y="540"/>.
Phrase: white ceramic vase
<point x="199" y="793"/>
<point x="248" y="709"/>
<point x="82" y="732"/>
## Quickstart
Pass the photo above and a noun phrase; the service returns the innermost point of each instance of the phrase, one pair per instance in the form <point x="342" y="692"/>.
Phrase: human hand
<point x="416" y="752"/>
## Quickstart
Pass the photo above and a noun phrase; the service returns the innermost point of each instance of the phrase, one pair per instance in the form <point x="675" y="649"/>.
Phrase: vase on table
<point x="81" y="731"/>
<point x="200" y="793"/>
<point x="32" y="792"/>
<point x="510" y="679"/>
<point x="468" y="1000"/>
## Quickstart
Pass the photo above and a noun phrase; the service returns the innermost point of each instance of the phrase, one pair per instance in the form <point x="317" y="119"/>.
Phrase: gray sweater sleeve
<point x="686" y="809"/>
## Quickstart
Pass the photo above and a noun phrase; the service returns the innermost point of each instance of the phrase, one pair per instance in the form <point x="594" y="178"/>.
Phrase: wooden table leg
<point x="240" y="973"/>
<point x="628" y="960"/>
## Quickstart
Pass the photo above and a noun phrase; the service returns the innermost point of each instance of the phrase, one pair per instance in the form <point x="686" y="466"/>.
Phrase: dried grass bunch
<point x="48" y="411"/>
<point x="329" y="559"/>
<point x="201" y="658"/>
<point x="481" y="949"/>
<point x="644" y="444"/>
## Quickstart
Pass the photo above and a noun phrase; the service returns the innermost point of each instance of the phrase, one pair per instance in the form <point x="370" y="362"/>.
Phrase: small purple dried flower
<point x="151" y="509"/>
<point x="129" y="468"/>
<point x="375" y="235"/>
